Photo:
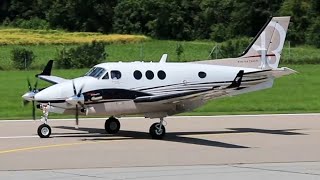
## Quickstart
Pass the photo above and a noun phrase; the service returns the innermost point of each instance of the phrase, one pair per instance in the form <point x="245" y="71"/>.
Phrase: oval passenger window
<point x="161" y="75"/>
<point x="137" y="75"/>
<point x="202" y="74"/>
<point x="149" y="75"/>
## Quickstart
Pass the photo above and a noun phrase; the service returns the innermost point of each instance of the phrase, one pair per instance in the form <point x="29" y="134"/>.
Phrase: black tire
<point x="155" y="133"/>
<point x="44" y="131"/>
<point x="112" y="125"/>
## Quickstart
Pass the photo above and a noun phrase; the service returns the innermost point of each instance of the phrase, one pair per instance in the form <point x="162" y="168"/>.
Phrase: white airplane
<point x="158" y="90"/>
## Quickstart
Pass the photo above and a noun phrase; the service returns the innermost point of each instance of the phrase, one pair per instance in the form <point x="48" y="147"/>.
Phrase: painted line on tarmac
<point x="42" y="147"/>
<point x="18" y="137"/>
<point x="177" y="117"/>
<point x="52" y="146"/>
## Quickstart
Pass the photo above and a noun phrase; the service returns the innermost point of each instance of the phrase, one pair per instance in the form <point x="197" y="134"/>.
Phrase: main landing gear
<point x="157" y="130"/>
<point x="112" y="125"/>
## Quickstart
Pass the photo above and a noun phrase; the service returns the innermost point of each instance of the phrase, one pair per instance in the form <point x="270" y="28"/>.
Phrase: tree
<point x="130" y="17"/>
<point x="314" y="33"/>
<point x="81" y="15"/>
<point x="300" y="21"/>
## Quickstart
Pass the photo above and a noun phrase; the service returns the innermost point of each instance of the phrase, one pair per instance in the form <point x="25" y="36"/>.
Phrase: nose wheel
<point x="157" y="130"/>
<point x="112" y="125"/>
<point x="44" y="131"/>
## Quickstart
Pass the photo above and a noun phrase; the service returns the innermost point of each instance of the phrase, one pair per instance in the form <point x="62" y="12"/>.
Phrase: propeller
<point x="30" y="95"/>
<point x="77" y="99"/>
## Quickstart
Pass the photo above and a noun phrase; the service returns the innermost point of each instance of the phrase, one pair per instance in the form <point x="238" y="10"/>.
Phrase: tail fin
<point x="268" y="44"/>
<point x="265" y="50"/>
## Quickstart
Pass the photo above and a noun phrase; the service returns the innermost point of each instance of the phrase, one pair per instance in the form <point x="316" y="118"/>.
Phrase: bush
<point x="34" y="23"/>
<point x="179" y="51"/>
<point x="219" y="32"/>
<point x="84" y="56"/>
<point x="22" y="58"/>
<point x="234" y="47"/>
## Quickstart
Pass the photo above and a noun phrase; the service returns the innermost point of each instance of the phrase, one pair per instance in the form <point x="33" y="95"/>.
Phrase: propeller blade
<point x="80" y="91"/>
<point x="35" y="86"/>
<point x="77" y="117"/>
<point x="29" y="84"/>
<point x="33" y="111"/>
<point x="74" y="88"/>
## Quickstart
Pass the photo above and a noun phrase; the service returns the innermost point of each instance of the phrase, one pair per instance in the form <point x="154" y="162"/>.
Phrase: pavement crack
<point x="275" y="170"/>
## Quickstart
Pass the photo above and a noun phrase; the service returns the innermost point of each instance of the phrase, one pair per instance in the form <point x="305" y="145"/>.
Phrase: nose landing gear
<point x="44" y="130"/>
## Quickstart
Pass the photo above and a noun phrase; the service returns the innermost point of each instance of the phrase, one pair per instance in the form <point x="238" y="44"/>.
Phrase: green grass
<point x="150" y="51"/>
<point x="145" y="51"/>
<point x="291" y="94"/>
<point x="301" y="55"/>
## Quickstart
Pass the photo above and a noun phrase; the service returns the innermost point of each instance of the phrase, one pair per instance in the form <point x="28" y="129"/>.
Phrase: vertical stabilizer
<point x="269" y="43"/>
<point x="264" y="52"/>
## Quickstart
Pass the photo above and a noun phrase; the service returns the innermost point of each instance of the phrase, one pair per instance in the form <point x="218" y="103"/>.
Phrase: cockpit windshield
<point x="96" y="72"/>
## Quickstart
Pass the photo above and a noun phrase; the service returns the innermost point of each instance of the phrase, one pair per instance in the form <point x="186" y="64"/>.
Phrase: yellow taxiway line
<point x="43" y="147"/>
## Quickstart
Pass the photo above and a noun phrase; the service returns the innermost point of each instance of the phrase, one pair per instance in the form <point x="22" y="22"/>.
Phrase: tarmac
<point x="203" y="147"/>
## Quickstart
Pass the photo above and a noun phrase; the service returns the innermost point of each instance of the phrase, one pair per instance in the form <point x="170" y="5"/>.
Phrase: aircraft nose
<point x="29" y="96"/>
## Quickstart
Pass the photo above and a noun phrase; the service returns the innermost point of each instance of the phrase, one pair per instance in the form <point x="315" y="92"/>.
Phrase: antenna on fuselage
<point x="164" y="58"/>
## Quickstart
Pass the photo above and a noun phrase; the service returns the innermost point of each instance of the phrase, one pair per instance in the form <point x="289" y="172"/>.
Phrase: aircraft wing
<point x="46" y="74"/>
<point x="52" y="79"/>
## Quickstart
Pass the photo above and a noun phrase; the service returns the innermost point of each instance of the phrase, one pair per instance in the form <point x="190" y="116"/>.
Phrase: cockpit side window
<point x="115" y="74"/>
<point x="96" y="72"/>
<point x="106" y="76"/>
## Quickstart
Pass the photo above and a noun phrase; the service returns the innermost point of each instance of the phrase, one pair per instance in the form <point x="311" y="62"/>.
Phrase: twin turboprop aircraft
<point x="158" y="90"/>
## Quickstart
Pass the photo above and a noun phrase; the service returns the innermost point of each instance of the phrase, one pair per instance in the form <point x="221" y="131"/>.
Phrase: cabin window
<point x="115" y="74"/>
<point x="202" y="74"/>
<point x="137" y="74"/>
<point x="106" y="76"/>
<point x="161" y="75"/>
<point x="149" y="75"/>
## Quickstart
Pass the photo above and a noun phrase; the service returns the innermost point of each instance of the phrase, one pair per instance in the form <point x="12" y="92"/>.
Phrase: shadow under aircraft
<point x="95" y="134"/>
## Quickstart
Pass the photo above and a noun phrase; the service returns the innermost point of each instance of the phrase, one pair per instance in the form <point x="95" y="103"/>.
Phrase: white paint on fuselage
<point x="175" y="73"/>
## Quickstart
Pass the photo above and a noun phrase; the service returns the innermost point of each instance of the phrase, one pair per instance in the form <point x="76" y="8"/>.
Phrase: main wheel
<point x="156" y="132"/>
<point x="112" y="125"/>
<point x="44" y="131"/>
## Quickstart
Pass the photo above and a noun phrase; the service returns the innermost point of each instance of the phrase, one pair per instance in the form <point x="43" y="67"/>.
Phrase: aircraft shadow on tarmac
<point x="95" y="134"/>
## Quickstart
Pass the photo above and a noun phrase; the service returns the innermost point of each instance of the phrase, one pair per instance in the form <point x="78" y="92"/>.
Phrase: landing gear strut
<point x="157" y="130"/>
<point x="44" y="130"/>
<point x="112" y="125"/>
